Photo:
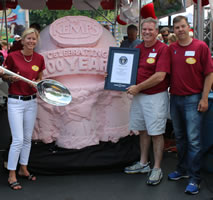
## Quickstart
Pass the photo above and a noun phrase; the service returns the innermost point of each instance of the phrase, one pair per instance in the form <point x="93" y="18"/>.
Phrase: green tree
<point x="45" y="17"/>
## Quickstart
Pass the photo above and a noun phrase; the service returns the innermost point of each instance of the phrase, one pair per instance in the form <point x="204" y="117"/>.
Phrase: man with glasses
<point x="165" y="33"/>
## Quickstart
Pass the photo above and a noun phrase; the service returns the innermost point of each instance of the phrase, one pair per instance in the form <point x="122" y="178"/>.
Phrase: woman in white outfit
<point x="22" y="104"/>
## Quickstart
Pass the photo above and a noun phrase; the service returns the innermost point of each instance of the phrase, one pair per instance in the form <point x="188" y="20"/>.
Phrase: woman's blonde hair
<point x="4" y="43"/>
<point x="172" y="37"/>
<point x="29" y="31"/>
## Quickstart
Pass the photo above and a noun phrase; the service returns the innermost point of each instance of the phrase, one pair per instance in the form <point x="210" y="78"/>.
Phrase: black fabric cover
<point x="49" y="159"/>
<point x="5" y="135"/>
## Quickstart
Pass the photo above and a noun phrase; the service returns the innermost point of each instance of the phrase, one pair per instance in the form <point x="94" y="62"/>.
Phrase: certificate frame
<point x="122" y="67"/>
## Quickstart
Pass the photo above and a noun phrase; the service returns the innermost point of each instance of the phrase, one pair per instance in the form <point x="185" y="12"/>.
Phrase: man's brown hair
<point x="164" y="29"/>
<point x="179" y="18"/>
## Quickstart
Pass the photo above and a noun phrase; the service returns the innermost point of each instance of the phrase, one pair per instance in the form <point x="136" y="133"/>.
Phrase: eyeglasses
<point x="165" y="35"/>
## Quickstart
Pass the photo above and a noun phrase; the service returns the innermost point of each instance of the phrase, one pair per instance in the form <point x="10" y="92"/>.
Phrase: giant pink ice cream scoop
<point x="75" y="49"/>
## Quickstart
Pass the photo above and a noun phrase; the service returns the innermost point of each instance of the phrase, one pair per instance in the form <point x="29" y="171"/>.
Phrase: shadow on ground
<point x="105" y="185"/>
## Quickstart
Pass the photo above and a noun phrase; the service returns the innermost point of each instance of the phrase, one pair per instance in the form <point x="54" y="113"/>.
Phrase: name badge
<point x="152" y="55"/>
<point x="189" y="53"/>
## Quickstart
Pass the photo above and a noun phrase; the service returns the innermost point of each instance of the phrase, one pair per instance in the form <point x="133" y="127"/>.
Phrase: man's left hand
<point x="203" y="105"/>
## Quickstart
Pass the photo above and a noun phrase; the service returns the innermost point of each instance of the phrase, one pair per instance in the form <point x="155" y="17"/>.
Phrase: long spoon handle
<point x="8" y="72"/>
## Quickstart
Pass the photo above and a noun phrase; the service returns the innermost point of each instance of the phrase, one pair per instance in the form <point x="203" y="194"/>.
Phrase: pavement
<point x="105" y="185"/>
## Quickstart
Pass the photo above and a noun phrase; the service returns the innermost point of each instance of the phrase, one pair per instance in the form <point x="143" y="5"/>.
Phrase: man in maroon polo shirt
<point x="191" y="81"/>
<point x="149" y="109"/>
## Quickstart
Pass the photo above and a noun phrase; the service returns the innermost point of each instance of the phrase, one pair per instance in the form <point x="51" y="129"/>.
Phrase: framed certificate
<point x="122" y="68"/>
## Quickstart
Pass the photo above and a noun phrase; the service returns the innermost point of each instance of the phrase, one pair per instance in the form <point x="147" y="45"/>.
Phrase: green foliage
<point x="45" y="17"/>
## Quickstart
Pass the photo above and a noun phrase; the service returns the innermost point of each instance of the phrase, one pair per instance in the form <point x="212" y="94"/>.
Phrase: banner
<point x="165" y="8"/>
<point x="16" y="22"/>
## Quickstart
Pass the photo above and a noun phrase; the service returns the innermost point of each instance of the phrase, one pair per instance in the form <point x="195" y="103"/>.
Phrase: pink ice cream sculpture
<point x="75" y="49"/>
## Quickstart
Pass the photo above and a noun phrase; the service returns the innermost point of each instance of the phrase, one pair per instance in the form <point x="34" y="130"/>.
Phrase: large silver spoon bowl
<point x="51" y="91"/>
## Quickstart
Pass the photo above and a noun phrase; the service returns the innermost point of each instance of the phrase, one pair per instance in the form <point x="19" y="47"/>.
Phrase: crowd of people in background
<point x="165" y="35"/>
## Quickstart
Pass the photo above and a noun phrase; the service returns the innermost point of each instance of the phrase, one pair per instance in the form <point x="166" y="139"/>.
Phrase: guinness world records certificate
<point x="121" y="68"/>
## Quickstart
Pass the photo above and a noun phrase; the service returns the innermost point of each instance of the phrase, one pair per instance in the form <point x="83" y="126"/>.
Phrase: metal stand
<point x="203" y="25"/>
<point x="208" y="30"/>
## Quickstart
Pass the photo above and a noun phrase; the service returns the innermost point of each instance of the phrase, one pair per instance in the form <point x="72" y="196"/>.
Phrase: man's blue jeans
<point x="187" y="122"/>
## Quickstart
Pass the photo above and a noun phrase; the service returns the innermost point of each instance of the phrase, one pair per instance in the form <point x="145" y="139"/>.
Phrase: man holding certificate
<point x="149" y="109"/>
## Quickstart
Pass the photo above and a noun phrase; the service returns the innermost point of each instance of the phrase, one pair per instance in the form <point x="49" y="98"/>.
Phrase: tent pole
<point x="199" y="26"/>
<point x="27" y="19"/>
<point x="98" y="12"/>
<point x="5" y="21"/>
<point x="116" y="13"/>
<point x="2" y="22"/>
<point x="139" y="21"/>
<point x="169" y="21"/>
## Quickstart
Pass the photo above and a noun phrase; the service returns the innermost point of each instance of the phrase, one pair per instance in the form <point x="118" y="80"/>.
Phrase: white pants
<point x="22" y="116"/>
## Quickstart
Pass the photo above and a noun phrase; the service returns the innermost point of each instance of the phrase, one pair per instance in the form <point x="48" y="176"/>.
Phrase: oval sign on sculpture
<point x="75" y="31"/>
<point x="75" y="49"/>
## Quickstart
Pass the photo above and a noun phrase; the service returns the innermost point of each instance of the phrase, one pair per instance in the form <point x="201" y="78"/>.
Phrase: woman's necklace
<point x="26" y="58"/>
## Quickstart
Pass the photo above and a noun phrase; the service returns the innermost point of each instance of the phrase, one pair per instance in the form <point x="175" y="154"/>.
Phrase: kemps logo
<point x="73" y="31"/>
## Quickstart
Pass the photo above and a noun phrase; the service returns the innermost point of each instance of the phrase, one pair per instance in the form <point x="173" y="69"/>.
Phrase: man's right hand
<point x="133" y="90"/>
<point x="1" y="72"/>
